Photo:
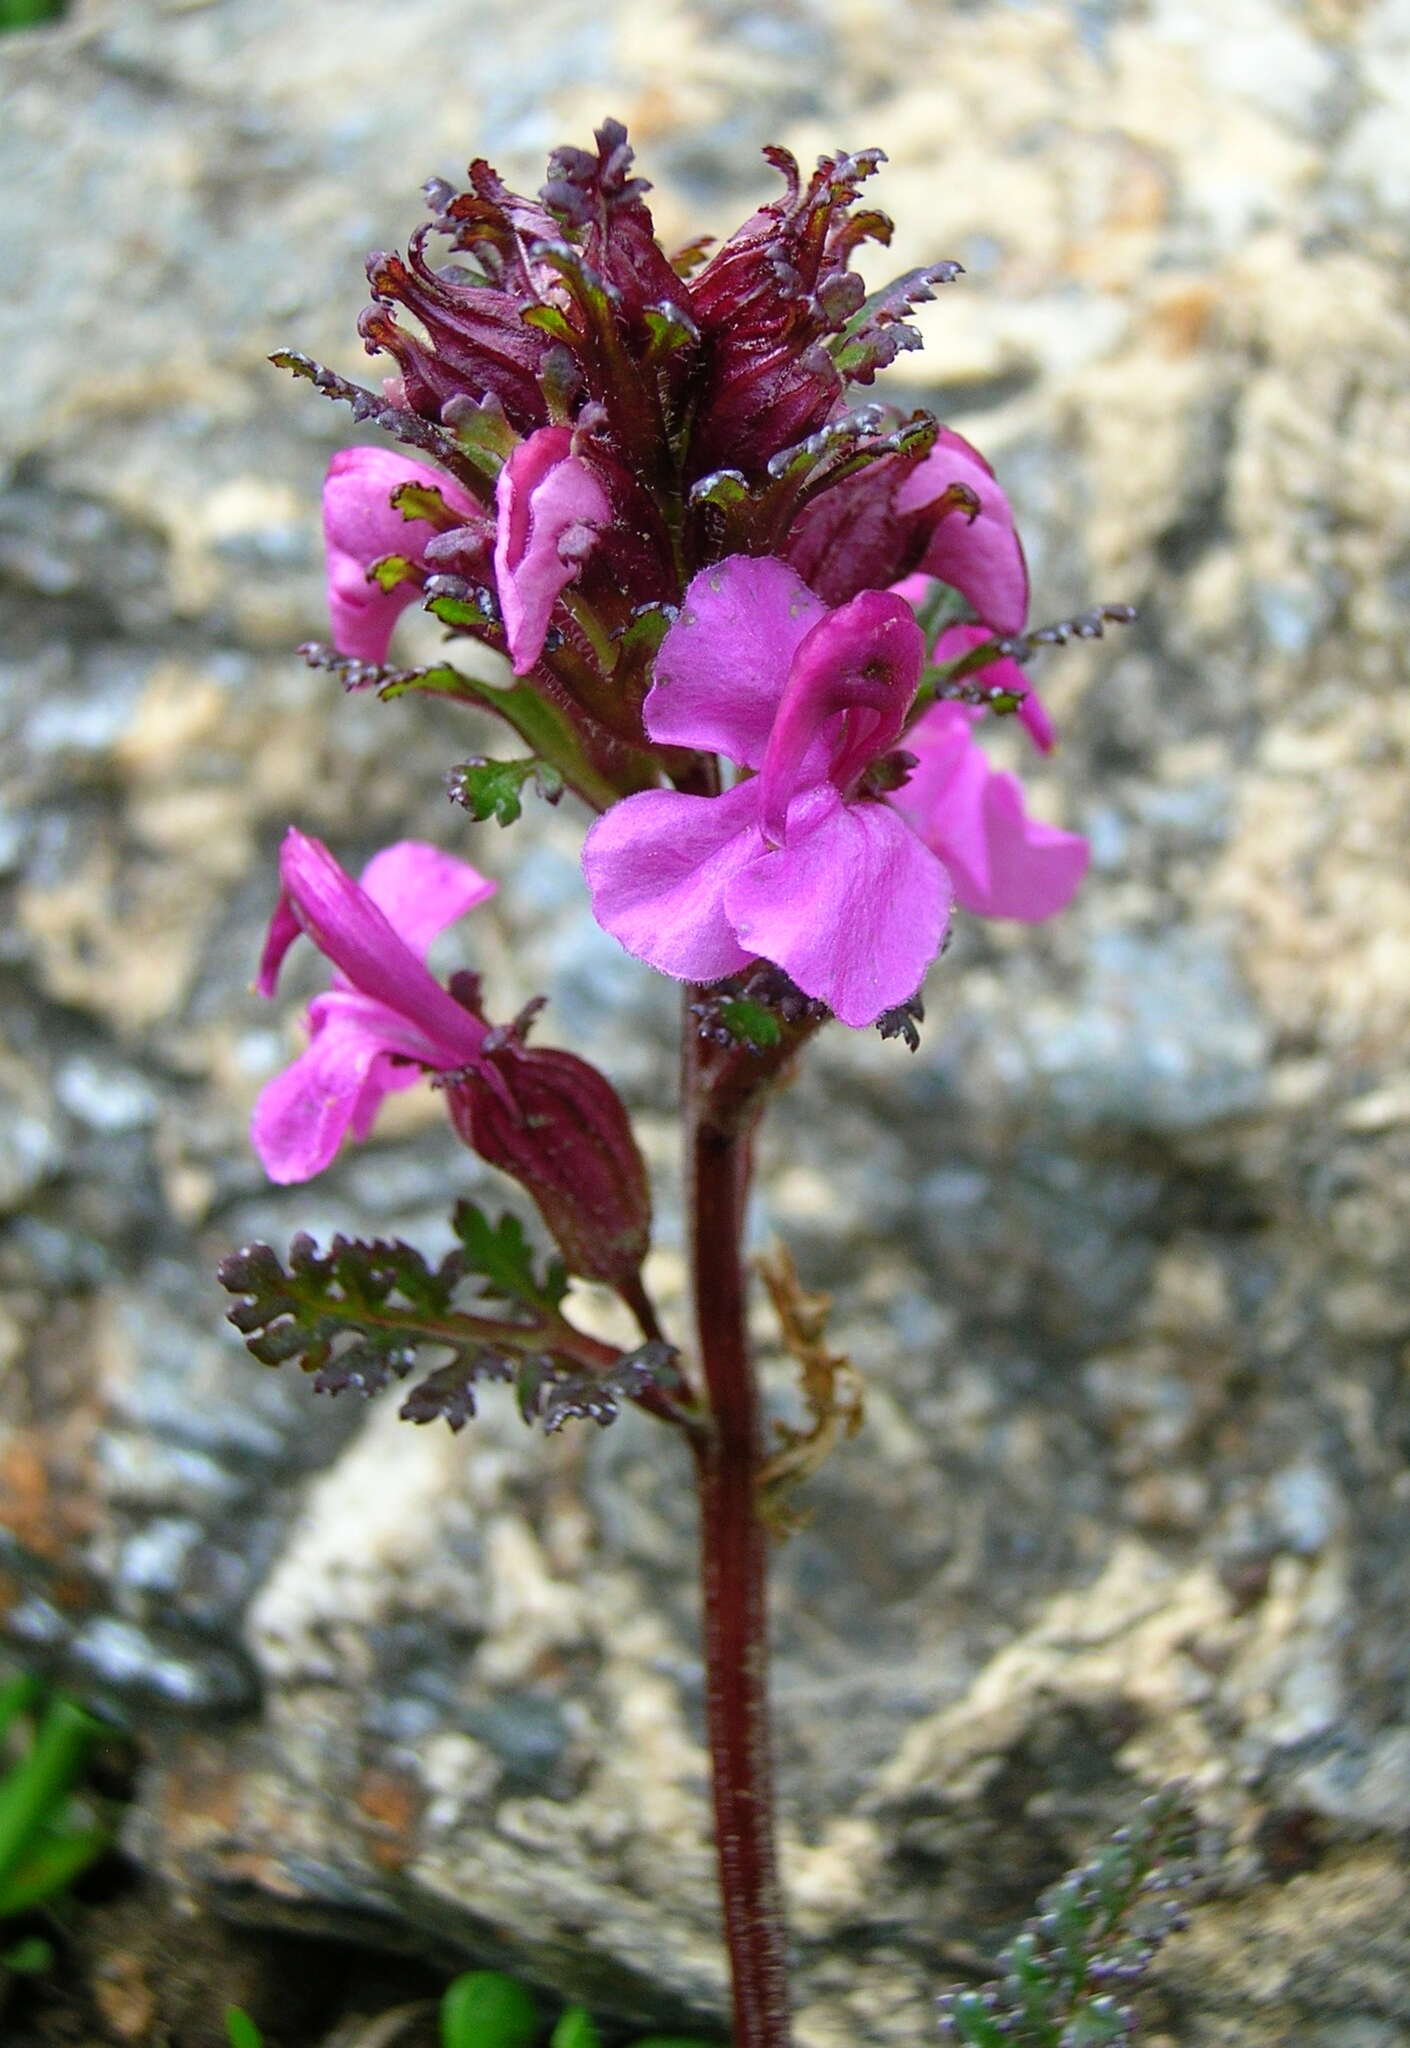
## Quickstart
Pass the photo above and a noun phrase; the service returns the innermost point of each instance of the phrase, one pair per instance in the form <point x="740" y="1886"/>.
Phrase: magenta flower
<point x="386" y="1020"/>
<point x="802" y="863"/>
<point x="550" y="509"/>
<point x="1002" y="862"/>
<point x="360" y="526"/>
<point x="546" y="1117"/>
<point x="798" y="864"/>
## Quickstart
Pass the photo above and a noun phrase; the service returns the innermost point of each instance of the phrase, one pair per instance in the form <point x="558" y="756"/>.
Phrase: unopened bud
<point x="559" y="1127"/>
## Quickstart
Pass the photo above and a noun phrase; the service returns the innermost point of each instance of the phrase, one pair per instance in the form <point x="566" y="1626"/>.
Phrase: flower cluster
<point x="765" y="629"/>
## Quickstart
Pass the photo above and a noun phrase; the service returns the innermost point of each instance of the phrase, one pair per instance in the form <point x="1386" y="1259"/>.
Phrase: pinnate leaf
<point x="1098" y="1928"/>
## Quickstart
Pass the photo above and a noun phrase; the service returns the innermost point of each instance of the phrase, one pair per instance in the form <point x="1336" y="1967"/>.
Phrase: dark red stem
<point x="719" y="1106"/>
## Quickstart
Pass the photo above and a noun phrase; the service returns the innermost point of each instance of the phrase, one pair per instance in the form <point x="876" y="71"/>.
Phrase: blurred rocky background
<point x="1121" y="1252"/>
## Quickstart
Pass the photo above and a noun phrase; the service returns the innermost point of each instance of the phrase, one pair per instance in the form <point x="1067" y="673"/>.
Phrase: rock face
<point x="1121" y="1252"/>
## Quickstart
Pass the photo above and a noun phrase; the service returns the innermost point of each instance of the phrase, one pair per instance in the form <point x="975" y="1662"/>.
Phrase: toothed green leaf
<point x="494" y="789"/>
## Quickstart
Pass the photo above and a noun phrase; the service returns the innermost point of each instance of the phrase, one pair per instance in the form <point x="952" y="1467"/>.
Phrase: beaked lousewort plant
<point x="760" y="631"/>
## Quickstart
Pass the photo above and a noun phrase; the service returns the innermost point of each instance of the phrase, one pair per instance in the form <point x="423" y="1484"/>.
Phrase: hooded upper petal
<point x="981" y="557"/>
<point x="1003" y="674"/>
<point x="349" y="930"/>
<point x="848" y="691"/>
<point x="1004" y="863"/>
<point x="549" y="508"/>
<point x="854" y="907"/>
<point x="360" y="525"/>
<point x="721" y="669"/>
<point x="657" y="867"/>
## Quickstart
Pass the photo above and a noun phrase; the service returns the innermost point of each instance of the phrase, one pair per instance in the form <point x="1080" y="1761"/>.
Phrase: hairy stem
<point x="718" y="1120"/>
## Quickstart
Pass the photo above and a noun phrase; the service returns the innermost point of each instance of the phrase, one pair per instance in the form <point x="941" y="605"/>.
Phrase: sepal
<point x="559" y="1127"/>
<point x="880" y="330"/>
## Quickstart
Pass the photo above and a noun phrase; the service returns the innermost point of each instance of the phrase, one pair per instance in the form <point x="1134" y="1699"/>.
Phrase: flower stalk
<point x="733" y="1550"/>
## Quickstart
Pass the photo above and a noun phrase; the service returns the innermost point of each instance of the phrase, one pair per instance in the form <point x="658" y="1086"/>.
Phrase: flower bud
<point x="559" y="1127"/>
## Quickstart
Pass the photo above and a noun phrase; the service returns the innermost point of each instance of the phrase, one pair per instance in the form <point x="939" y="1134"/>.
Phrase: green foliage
<point x="46" y="1838"/>
<point x="485" y="2009"/>
<point x="494" y="789"/>
<point x="29" y="13"/>
<point x="240" y="2029"/>
<point x="574" y="2030"/>
<point x="502" y="1256"/>
<point x="541" y="725"/>
<point x="428" y="502"/>
<point x="30" y="1957"/>
<point x="389" y="572"/>
<point x="48" y="1833"/>
<point x="1064" y="1978"/>
<point x="644" y="631"/>
<point x="483" y="433"/>
<point x="362" y="1313"/>
<point x="469" y="614"/>
<point x="670" y="328"/>
<point x="750" y="1023"/>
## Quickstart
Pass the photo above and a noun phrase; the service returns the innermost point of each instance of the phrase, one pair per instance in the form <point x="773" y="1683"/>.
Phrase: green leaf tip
<point x="240" y="2029"/>
<point x="750" y="1023"/>
<point x="494" y="789"/>
<point x="486" y="2009"/>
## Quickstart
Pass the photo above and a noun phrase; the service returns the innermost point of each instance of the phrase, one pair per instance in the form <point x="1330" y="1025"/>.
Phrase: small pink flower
<point x="1002" y="862"/>
<point x="980" y="555"/>
<point x="360" y="526"/>
<point x="386" y="1021"/>
<point x="550" y="509"/>
<point x="800" y="863"/>
<point x="797" y="864"/>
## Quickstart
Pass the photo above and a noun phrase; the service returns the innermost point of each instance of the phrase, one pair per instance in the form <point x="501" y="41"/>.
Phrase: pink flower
<point x="979" y="555"/>
<point x="546" y="1117"/>
<point x="386" y="1020"/>
<point x="1002" y="862"/>
<point x="801" y="863"/>
<point x="550" y="508"/>
<point x="797" y="864"/>
<point x="360" y="525"/>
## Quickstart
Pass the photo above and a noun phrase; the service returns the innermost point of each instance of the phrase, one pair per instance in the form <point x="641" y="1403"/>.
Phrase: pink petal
<point x="420" y="890"/>
<point x="1004" y="674"/>
<point x="304" y="1113"/>
<point x="850" y="686"/>
<point x="1004" y="863"/>
<point x="982" y="559"/>
<point x="360" y="525"/>
<point x="550" y="507"/>
<point x="350" y="931"/>
<point x="721" y="668"/>
<point x="657" y="868"/>
<point x="284" y="928"/>
<point x="914" y="589"/>
<point x="853" y="907"/>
